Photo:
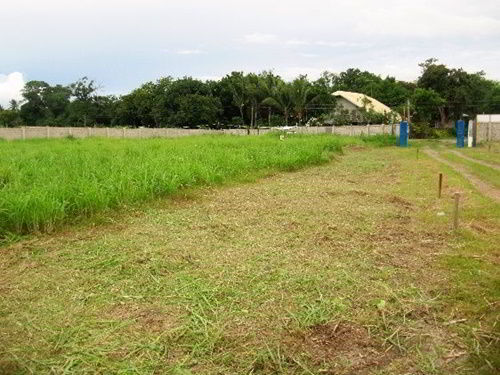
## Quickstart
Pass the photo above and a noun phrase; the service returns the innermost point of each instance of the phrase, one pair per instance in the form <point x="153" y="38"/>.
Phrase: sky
<point x="124" y="43"/>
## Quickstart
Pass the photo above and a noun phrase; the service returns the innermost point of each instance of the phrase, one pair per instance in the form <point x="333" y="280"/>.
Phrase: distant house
<point x="356" y="103"/>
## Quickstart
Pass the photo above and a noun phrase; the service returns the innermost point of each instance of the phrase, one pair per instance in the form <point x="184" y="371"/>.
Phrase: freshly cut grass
<point x="344" y="268"/>
<point x="44" y="183"/>
<point x="485" y="173"/>
<point x="485" y="152"/>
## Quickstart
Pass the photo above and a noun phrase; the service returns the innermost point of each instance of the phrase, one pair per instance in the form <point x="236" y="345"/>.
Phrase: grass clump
<point x="45" y="183"/>
<point x="379" y="140"/>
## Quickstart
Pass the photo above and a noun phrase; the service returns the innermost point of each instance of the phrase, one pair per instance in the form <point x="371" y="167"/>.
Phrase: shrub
<point x="422" y="130"/>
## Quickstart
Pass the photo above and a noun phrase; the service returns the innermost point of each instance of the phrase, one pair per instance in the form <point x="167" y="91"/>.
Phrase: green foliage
<point x="195" y="110"/>
<point x="48" y="182"/>
<point x="455" y="91"/>
<point x="9" y="118"/>
<point x="426" y="103"/>
<point x="440" y="94"/>
<point x="422" y="130"/>
<point x="380" y="140"/>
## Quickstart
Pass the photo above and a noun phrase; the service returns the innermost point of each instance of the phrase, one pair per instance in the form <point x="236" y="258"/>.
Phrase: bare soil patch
<point x="340" y="348"/>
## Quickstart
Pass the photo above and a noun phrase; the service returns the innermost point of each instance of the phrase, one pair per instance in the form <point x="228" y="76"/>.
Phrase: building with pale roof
<point x="355" y="102"/>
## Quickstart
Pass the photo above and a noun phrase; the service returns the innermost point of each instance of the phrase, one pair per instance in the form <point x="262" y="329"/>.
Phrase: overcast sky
<point x="124" y="43"/>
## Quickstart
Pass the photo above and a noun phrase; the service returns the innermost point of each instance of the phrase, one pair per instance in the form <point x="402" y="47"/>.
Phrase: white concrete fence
<point x="30" y="132"/>
<point x="488" y="128"/>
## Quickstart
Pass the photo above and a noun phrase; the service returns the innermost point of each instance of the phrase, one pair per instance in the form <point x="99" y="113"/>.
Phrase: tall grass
<point x="44" y="183"/>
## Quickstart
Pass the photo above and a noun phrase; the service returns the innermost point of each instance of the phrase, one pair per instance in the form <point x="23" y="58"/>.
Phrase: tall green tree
<point x="34" y="109"/>
<point x="302" y="95"/>
<point x="82" y="110"/>
<point x="281" y="98"/>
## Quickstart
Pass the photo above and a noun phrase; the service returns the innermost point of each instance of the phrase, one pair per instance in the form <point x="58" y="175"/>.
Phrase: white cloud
<point x="259" y="38"/>
<point x="309" y="55"/>
<point x="296" y="42"/>
<point x="189" y="52"/>
<point x="10" y="87"/>
<point x="292" y="72"/>
<point x="340" y="44"/>
<point x="209" y="78"/>
<point x="386" y="37"/>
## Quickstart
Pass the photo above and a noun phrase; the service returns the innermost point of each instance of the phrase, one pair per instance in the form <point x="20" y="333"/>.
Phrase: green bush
<point x="422" y="130"/>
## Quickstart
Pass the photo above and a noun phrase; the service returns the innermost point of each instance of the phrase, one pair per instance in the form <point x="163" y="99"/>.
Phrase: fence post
<point x="48" y="132"/>
<point x="489" y="129"/>
<point x="123" y="132"/>
<point x="474" y="132"/>
<point x="455" y="211"/>
<point x="368" y="129"/>
<point x="24" y="132"/>
<point x="107" y="132"/>
<point x="440" y="185"/>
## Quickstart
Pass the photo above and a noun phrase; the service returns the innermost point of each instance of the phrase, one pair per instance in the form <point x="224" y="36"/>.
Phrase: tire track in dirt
<point x="483" y="187"/>
<point x="486" y="164"/>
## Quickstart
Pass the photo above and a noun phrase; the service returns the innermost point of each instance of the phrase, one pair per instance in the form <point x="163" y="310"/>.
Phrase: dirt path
<point x="485" y="188"/>
<point x="486" y="164"/>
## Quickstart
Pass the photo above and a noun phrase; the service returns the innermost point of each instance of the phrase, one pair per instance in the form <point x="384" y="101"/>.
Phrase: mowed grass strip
<point x="485" y="173"/>
<point x="344" y="268"/>
<point x="44" y="183"/>
<point x="488" y="152"/>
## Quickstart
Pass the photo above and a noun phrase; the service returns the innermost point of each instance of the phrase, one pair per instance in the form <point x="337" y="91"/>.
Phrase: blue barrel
<point x="403" y="134"/>
<point x="460" y="133"/>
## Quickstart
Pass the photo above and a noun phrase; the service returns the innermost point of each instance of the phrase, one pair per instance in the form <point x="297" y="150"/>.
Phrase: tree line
<point x="439" y="95"/>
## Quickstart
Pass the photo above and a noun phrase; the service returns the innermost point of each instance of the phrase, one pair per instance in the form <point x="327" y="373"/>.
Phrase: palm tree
<point x="302" y="96"/>
<point x="281" y="99"/>
<point x="240" y="94"/>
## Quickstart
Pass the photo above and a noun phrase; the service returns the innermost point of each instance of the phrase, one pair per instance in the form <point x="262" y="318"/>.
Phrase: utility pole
<point x="253" y="118"/>
<point x="409" y="115"/>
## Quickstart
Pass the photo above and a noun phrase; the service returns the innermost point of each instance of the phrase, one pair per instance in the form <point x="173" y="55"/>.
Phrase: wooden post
<point x="418" y="149"/>
<point x="489" y="130"/>
<point x="440" y="185"/>
<point x="455" y="211"/>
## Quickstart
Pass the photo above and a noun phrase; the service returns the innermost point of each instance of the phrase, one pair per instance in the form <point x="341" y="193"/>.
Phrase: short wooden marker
<point x="440" y="185"/>
<point x="455" y="211"/>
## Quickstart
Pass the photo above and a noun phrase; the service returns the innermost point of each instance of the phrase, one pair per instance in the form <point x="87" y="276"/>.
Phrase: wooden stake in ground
<point x="455" y="211"/>
<point x="440" y="185"/>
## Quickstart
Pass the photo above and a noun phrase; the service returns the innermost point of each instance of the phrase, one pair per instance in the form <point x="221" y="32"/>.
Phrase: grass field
<point x="489" y="152"/>
<point x="45" y="183"/>
<point x="350" y="267"/>
<point x="487" y="174"/>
